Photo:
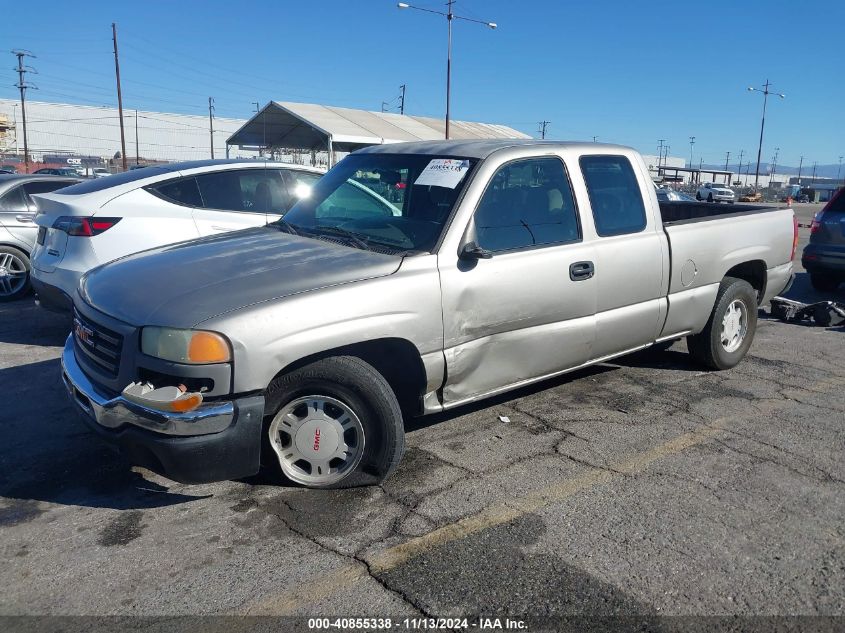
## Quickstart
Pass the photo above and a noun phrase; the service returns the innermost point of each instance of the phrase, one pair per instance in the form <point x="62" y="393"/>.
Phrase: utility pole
<point x="402" y="99"/>
<point x="384" y="106"/>
<point x="137" y="154"/>
<point x="542" y="129"/>
<point x="660" y="153"/>
<point x="119" y="96"/>
<point x="739" y="165"/>
<point x="595" y="139"/>
<point x="814" y="171"/>
<point x="255" y="103"/>
<point x="838" y="169"/>
<point x="22" y="85"/>
<point x="774" y="166"/>
<point x="691" y="143"/>
<point x="800" y="164"/>
<point x="211" y="124"/>
<point x="727" y="158"/>
<point x="766" y="92"/>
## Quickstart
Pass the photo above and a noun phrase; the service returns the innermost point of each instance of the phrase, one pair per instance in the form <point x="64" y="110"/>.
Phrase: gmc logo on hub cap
<point x="317" y="440"/>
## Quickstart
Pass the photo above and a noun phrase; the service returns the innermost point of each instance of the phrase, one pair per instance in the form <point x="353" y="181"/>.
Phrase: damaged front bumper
<point x="216" y="441"/>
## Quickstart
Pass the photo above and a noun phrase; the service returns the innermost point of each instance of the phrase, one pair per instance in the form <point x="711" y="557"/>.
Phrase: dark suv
<point x="824" y="256"/>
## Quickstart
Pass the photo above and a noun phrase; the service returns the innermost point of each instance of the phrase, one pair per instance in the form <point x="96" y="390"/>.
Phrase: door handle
<point x="579" y="271"/>
<point x="24" y="218"/>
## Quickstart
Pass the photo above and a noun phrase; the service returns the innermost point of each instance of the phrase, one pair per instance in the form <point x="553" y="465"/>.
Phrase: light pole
<point x="449" y="17"/>
<point x="838" y="169"/>
<point x="766" y="92"/>
<point x="691" y="143"/>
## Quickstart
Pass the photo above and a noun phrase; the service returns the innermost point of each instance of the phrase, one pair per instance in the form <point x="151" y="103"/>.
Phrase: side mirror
<point x="472" y="250"/>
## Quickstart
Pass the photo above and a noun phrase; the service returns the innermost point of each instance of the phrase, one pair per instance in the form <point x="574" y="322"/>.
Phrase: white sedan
<point x="97" y="221"/>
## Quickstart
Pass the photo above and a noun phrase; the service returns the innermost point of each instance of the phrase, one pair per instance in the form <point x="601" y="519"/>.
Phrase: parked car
<point x="713" y="192"/>
<point x="751" y="197"/>
<point x="8" y="169"/>
<point x="58" y="171"/>
<point x="305" y="343"/>
<point x="664" y="194"/>
<point x="18" y="229"/>
<point x="824" y="255"/>
<point x="100" y="220"/>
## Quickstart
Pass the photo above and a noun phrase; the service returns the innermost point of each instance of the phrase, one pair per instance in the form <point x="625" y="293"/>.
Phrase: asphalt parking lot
<point x="643" y="486"/>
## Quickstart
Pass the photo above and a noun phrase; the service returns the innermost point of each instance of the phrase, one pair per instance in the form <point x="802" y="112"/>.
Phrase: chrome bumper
<point x="113" y="413"/>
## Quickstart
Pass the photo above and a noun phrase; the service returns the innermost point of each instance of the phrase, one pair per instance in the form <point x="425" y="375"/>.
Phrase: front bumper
<point x="215" y="442"/>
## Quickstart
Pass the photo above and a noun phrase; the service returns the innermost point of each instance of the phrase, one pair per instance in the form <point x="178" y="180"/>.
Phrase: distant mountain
<point x="822" y="171"/>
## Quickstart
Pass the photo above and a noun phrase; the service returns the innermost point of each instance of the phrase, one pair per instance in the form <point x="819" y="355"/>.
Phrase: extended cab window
<point x="615" y="195"/>
<point x="527" y="203"/>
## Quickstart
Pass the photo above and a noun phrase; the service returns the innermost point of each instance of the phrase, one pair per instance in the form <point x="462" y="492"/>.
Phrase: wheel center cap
<point x="317" y="438"/>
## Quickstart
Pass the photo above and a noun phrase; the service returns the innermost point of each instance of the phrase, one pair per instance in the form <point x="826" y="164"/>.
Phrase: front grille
<point x="99" y="345"/>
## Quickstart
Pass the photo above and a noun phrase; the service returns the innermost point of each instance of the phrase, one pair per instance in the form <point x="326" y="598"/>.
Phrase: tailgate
<point x="50" y="246"/>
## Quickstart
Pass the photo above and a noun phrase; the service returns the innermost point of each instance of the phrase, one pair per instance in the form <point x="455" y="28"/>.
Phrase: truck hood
<point x="184" y="284"/>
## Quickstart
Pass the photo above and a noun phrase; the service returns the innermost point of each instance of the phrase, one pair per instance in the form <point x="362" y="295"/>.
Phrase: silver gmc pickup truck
<point x="449" y="272"/>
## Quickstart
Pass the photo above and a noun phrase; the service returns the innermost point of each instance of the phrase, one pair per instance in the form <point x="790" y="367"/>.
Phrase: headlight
<point x="196" y="347"/>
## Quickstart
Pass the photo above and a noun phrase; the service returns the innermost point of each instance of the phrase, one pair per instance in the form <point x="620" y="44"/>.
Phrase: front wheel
<point x="334" y="423"/>
<point x="730" y="329"/>
<point x="710" y="198"/>
<point x="698" y="196"/>
<point x="14" y="273"/>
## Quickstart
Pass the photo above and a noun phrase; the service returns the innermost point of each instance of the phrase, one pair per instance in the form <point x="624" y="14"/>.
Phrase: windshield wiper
<point x="351" y="236"/>
<point x="286" y="226"/>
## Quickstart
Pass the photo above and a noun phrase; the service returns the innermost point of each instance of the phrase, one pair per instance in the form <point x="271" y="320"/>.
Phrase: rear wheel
<point x="730" y="329"/>
<point x="823" y="283"/>
<point x="698" y="196"/>
<point x="710" y="197"/>
<point x="14" y="273"/>
<point x="334" y="423"/>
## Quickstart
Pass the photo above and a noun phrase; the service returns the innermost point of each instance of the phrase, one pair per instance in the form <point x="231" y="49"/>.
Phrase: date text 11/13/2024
<point x="351" y="624"/>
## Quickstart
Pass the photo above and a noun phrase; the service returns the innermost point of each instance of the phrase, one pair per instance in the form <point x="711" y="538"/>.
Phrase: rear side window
<point x="13" y="200"/>
<point x="527" y="203"/>
<point x="251" y="190"/>
<point x="615" y="195"/>
<point x="837" y="203"/>
<point x="182" y="191"/>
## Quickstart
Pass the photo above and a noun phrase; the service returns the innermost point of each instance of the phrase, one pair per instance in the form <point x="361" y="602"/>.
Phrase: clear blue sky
<point x="626" y="71"/>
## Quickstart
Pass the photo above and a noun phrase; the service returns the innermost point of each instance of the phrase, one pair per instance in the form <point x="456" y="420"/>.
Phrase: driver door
<point x="529" y="310"/>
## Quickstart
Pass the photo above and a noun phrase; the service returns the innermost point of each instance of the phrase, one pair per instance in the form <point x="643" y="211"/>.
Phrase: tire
<point x="344" y="402"/>
<point x="710" y="197"/>
<point x="698" y="196"/>
<point x="708" y="347"/>
<point x="823" y="283"/>
<point x="15" y="269"/>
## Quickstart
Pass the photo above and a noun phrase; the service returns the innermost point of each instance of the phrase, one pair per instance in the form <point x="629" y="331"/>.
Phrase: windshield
<point x="398" y="202"/>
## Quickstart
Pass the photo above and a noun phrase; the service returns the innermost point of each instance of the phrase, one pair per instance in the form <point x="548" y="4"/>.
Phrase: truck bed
<point x="686" y="212"/>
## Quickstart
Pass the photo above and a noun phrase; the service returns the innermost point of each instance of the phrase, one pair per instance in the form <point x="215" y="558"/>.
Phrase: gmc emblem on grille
<point x="83" y="333"/>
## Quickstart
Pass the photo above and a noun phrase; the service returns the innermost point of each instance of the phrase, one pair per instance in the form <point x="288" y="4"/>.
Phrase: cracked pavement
<point x="637" y="487"/>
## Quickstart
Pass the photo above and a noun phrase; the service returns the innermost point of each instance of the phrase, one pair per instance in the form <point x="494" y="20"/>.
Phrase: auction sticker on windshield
<point x="443" y="172"/>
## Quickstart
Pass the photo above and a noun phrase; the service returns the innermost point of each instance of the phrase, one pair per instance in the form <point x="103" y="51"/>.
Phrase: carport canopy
<point x="310" y="126"/>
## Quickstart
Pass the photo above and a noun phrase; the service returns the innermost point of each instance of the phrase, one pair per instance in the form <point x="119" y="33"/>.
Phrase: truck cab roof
<point x="483" y="149"/>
